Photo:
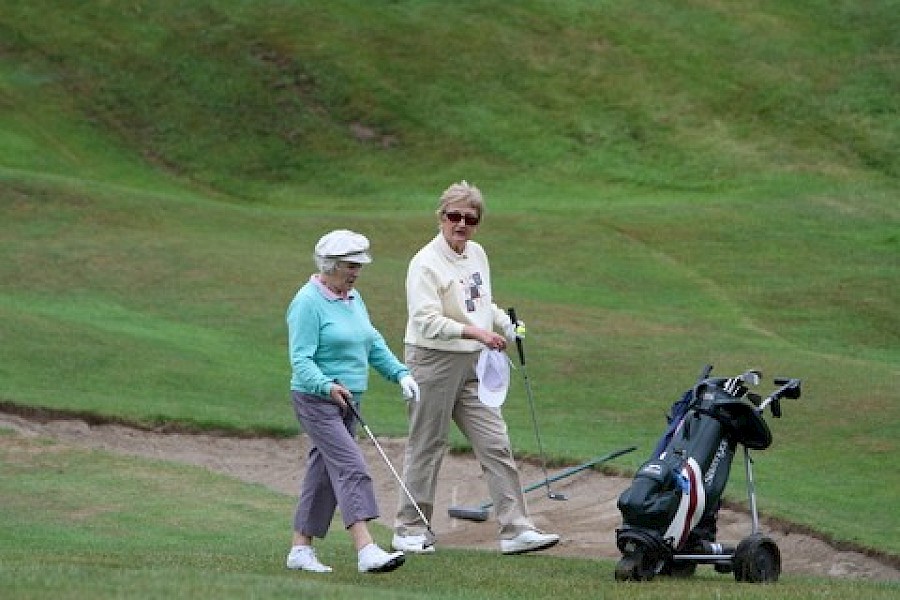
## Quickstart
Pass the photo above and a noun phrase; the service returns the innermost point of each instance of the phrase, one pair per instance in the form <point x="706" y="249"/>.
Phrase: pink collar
<point x="327" y="292"/>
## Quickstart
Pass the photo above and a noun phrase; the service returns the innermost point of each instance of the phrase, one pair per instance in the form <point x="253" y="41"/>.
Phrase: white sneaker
<point x="304" y="558"/>
<point x="411" y="543"/>
<point x="373" y="559"/>
<point x="530" y="540"/>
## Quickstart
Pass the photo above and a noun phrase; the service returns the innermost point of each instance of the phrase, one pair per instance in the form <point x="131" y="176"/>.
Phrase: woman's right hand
<point x="341" y="396"/>
<point x="494" y="341"/>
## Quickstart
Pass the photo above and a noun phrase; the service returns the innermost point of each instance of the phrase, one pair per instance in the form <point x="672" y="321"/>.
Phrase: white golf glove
<point x="409" y="387"/>
<point x="515" y="330"/>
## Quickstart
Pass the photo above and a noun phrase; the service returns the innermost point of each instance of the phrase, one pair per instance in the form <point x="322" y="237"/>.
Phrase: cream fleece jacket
<point x="446" y="291"/>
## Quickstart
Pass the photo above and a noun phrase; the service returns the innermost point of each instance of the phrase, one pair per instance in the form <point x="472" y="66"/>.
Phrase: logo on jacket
<point x="472" y="289"/>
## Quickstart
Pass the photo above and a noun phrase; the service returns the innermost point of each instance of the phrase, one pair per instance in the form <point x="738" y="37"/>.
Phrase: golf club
<point x="482" y="511"/>
<point x="429" y="537"/>
<point x="537" y="434"/>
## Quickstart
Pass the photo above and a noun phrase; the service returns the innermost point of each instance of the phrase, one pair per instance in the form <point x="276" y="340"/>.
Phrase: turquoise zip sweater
<point x="330" y="338"/>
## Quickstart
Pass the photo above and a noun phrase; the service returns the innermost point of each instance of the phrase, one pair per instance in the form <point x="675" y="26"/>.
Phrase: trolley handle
<point x="790" y="388"/>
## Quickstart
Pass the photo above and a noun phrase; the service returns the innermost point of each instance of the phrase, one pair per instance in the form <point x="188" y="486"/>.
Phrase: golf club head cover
<point x="515" y="330"/>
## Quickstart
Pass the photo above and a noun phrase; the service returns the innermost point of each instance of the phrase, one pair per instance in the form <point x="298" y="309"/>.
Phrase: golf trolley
<point x="669" y="511"/>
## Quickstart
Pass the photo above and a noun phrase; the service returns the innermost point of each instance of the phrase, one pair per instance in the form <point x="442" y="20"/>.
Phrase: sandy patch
<point x="586" y="522"/>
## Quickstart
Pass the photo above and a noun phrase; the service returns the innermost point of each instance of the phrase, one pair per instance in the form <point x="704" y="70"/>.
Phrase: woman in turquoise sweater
<point x="332" y="343"/>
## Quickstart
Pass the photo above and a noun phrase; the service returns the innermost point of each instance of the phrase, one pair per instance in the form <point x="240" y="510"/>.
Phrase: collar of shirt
<point x="449" y="252"/>
<point x="329" y="295"/>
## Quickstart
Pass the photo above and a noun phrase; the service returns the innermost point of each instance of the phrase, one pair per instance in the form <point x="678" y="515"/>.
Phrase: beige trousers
<point x="449" y="391"/>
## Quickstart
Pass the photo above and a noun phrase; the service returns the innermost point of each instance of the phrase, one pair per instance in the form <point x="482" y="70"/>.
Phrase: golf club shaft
<point x="579" y="468"/>
<point x="537" y="432"/>
<point x="390" y="466"/>
<point x="571" y="471"/>
<point x="482" y="512"/>
<point x="397" y="477"/>
<point x="530" y="395"/>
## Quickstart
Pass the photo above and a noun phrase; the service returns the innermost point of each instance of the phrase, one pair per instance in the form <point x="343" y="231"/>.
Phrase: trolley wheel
<point x="757" y="560"/>
<point x="636" y="566"/>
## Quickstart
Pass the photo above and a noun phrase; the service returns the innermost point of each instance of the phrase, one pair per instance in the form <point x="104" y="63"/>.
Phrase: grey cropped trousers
<point x="336" y="472"/>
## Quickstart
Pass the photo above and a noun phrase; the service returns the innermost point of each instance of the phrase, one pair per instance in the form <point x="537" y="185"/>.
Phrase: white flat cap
<point x="346" y="245"/>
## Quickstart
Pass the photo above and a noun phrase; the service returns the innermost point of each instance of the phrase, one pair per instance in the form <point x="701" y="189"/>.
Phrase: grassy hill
<point x="667" y="185"/>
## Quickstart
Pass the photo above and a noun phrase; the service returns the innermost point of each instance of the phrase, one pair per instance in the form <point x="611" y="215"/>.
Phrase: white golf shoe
<point x="373" y="559"/>
<point x="304" y="558"/>
<point x="411" y="543"/>
<point x="530" y="540"/>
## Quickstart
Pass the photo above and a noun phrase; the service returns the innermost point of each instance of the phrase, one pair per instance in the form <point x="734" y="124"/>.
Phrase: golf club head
<point x="752" y="377"/>
<point x="430" y="539"/>
<point x="469" y="513"/>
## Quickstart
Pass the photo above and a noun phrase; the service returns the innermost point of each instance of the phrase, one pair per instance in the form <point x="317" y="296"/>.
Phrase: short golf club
<point x="430" y="537"/>
<point x="482" y="512"/>
<point x="537" y="434"/>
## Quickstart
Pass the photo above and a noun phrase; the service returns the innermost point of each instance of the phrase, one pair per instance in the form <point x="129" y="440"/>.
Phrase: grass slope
<point x="667" y="186"/>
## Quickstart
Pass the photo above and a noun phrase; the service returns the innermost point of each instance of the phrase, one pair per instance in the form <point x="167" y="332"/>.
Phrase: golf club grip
<point x="351" y="406"/>
<point x="515" y="321"/>
<point x="355" y="412"/>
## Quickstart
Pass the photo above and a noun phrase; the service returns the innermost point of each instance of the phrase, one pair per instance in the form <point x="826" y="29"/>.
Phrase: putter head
<point x="469" y="513"/>
<point x="430" y="539"/>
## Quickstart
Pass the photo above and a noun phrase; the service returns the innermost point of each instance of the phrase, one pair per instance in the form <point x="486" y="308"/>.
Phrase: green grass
<point x="667" y="186"/>
<point x="694" y="98"/>
<point x="156" y="318"/>
<point x="88" y="524"/>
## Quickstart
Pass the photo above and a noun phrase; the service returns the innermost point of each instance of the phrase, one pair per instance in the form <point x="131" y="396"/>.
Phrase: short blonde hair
<point x="462" y="191"/>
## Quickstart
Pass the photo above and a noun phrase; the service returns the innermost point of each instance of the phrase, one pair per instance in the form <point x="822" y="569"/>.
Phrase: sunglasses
<point x="456" y="217"/>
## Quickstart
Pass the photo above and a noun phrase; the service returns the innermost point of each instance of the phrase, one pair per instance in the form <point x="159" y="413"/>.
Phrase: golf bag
<point x="669" y="511"/>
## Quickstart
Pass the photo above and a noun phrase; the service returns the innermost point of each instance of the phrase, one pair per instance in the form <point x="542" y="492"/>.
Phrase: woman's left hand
<point x="409" y="387"/>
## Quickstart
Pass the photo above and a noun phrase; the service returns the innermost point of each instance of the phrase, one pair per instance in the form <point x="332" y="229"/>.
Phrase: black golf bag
<point x="669" y="511"/>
